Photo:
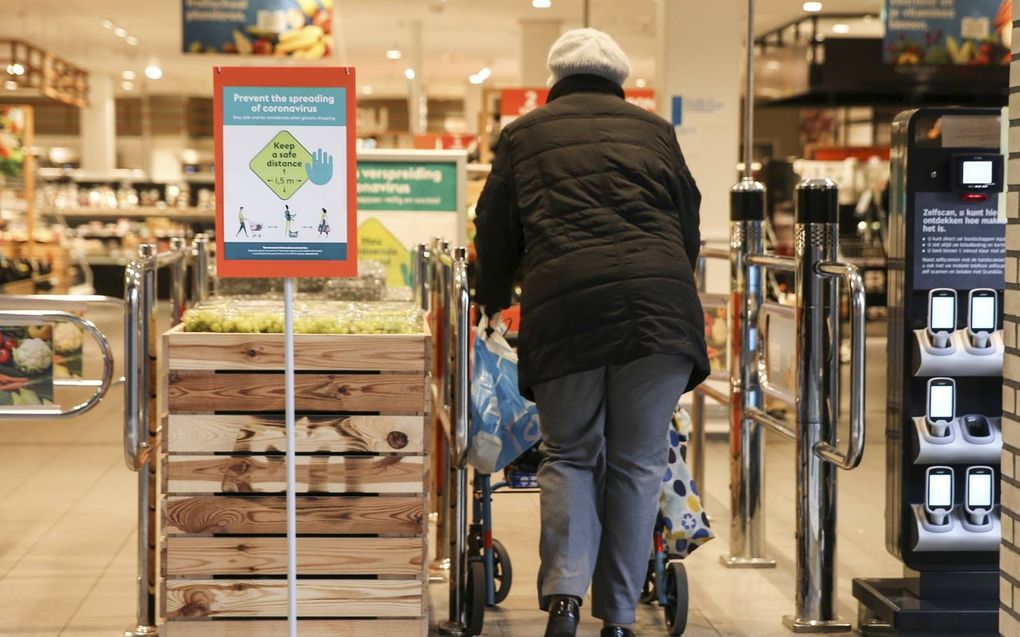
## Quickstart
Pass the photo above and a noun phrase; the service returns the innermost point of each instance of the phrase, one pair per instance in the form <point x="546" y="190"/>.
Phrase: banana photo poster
<point x="285" y="172"/>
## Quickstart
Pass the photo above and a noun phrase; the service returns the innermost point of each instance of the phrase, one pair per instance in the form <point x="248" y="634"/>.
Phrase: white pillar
<point x="417" y="100"/>
<point x="473" y="108"/>
<point x="537" y="35"/>
<point x="99" y="127"/>
<point x="702" y="66"/>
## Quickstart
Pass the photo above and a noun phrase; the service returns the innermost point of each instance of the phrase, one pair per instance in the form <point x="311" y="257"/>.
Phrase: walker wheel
<point x="502" y="571"/>
<point x="677" y="599"/>
<point x="474" y="597"/>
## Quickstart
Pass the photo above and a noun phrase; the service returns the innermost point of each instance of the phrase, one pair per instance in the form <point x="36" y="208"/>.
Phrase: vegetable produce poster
<point x="68" y="350"/>
<point x="26" y="366"/>
<point x="285" y="172"/>
<point x="13" y="131"/>
<point x="948" y="32"/>
<point x="716" y="333"/>
<point x="300" y="29"/>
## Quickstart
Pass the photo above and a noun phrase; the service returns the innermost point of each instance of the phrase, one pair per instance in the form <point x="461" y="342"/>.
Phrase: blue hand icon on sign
<point x="320" y="171"/>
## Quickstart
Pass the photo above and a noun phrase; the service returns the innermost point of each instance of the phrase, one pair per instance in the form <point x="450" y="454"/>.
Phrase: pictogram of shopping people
<point x="288" y="217"/>
<point x="323" y="224"/>
<point x="240" y="217"/>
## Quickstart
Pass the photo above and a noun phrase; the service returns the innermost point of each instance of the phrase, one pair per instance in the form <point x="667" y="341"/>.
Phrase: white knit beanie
<point x="589" y="52"/>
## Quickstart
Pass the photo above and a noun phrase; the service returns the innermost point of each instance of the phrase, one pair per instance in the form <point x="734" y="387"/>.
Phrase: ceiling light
<point x="773" y="65"/>
<point x="15" y="69"/>
<point x="107" y="24"/>
<point x="128" y="75"/>
<point x="841" y="28"/>
<point x="153" y="72"/>
<point x="641" y="82"/>
<point x="367" y="90"/>
<point x="484" y="73"/>
<point x="812" y="7"/>
<point x="10" y="85"/>
<point x="409" y="73"/>
<point x="131" y="40"/>
<point x="127" y="86"/>
<point x="394" y="54"/>
<point x="120" y="32"/>
<point x="474" y="79"/>
<point x="541" y="4"/>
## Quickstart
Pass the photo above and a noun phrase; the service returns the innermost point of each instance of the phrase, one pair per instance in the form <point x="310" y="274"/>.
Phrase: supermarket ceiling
<point x="459" y="36"/>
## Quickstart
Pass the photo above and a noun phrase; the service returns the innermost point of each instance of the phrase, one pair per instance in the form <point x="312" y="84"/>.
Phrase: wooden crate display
<point x="361" y="477"/>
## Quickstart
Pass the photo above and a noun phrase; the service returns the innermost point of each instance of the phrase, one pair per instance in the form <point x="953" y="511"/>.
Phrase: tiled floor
<point x="67" y="542"/>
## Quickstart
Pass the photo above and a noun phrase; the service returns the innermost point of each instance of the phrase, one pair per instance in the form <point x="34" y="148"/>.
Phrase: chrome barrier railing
<point x="141" y="413"/>
<point x="72" y="303"/>
<point x="441" y="286"/>
<point x="698" y="439"/>
<point x="100" y="386"/>
<point x="815" y="393"/>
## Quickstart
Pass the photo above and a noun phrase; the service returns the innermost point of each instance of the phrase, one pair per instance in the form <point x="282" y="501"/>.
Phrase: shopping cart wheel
<point x="676" y="598"/>
<point x="502" y="571"/>
<point x="474" y="597"/>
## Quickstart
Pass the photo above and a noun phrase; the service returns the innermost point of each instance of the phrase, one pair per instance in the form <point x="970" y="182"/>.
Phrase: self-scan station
<point x="946" y="248"/>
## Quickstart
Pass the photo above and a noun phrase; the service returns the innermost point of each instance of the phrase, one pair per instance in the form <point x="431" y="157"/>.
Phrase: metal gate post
<point x="141" y="423"/>
<point x="178" y="273"/>
<point x="697" y="443"/>
<point x="458" y="319"/>
<point x="747" y="458"/>
<point x="816" y="243"/>
<point x="200" y="282"/>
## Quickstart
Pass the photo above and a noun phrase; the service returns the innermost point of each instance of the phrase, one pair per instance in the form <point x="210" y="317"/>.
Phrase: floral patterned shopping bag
<point x="684" y="521"/>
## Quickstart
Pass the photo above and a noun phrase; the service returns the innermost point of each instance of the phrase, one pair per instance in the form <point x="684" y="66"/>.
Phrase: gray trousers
<point x="605" y="446"/>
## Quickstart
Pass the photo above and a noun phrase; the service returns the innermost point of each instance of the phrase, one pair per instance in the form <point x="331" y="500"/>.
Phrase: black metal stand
<point x="892" y="607"/>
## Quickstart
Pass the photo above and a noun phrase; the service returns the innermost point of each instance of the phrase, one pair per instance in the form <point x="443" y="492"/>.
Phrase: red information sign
<point x="515" y="102"/>
<point x="286" y="191"/>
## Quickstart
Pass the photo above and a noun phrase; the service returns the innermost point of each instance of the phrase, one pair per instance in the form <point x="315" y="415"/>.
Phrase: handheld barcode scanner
<point x="941" y="408"/>
<point x="938" y="495"/>
<point x="982" y="316"/>
<point x="941" y="316"/>
<point x="980" y="494"/>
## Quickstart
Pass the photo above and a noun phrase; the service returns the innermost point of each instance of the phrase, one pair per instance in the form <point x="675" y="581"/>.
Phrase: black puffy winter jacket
<point x="594" y="195"/>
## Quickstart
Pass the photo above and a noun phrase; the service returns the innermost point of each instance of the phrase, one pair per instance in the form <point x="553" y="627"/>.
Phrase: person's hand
<point x="493" y="322"/>
<point x="320" y="171"/>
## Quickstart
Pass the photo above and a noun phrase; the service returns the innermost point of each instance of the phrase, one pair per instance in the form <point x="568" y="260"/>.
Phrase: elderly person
<point x="592" y="196"/>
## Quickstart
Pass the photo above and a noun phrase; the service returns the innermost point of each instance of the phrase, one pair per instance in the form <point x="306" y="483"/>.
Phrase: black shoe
<point x="616" y="631"/>
<point x="564" y="615"/>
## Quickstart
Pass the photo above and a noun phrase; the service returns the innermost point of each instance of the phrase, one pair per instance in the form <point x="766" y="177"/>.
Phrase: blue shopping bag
<point x="504" y="424"/>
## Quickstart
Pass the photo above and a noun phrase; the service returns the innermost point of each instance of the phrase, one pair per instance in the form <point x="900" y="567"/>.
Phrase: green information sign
<point x="282" y="164"/>
<point x="407" y="186"/>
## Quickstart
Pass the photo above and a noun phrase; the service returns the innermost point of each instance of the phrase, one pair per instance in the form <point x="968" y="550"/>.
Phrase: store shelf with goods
<point x="178" y="214"/>
<point x="361" y="467"/>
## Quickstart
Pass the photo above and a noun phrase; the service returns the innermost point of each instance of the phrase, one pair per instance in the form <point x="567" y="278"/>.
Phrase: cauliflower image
<point x="66" y="337"/>
<point x="33" y="356"/>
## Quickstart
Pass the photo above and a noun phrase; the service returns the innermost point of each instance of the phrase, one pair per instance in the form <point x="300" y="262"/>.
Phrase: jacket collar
<point x="584" y="84"/>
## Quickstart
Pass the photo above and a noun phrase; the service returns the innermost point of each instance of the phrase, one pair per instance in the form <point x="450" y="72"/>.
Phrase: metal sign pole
<point x="288" y="354"/>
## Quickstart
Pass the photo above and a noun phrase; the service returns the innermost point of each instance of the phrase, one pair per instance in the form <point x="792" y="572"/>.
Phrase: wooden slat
<point x="335" y="434"/>
<point x="325" y="515"/>
<point x="197" y="557"/>
<point x="385" y="393"/>
<point x="315" y="474"/>
<point x="326" y="352"/>
<point x="306" y="628"/>
<point x="316" y="598"/>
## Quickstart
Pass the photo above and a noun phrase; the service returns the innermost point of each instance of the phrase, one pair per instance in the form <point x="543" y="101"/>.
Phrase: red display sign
<point x="286" y="189"/>
<point x="515" y="102"/>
